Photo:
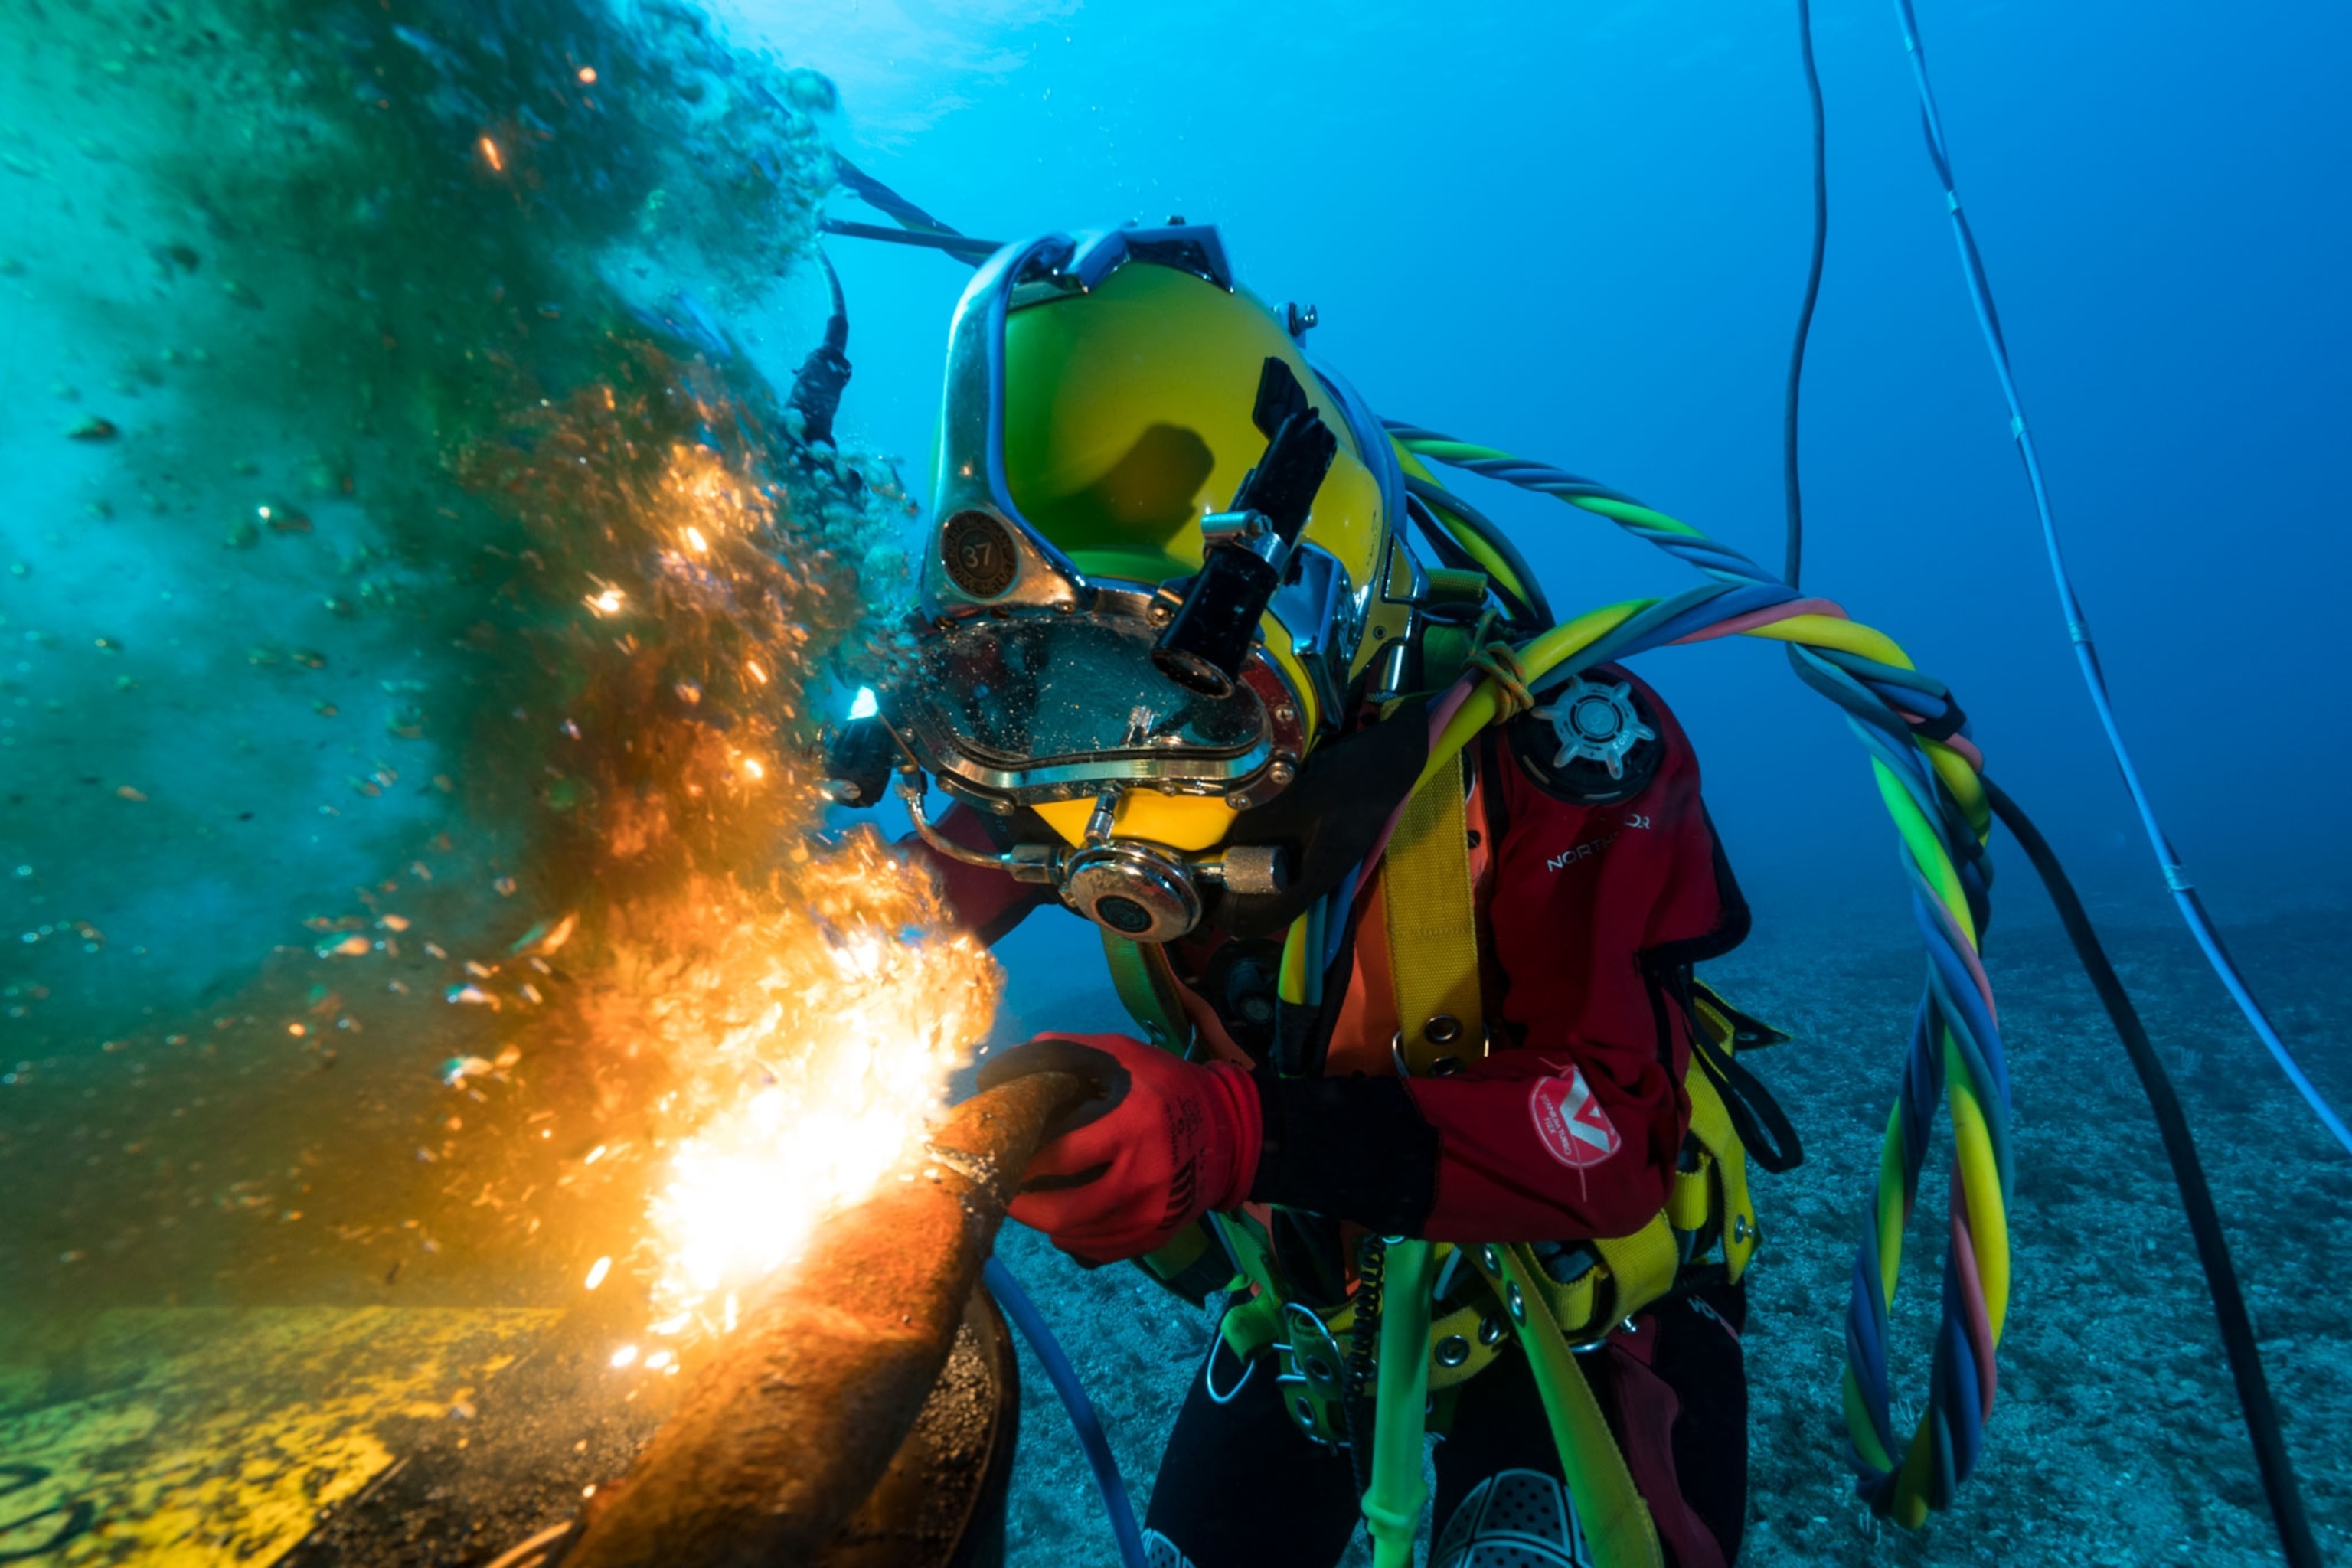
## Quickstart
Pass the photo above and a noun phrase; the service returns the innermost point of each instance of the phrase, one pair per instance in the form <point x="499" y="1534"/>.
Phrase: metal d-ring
<point x="1209" y="1374"/>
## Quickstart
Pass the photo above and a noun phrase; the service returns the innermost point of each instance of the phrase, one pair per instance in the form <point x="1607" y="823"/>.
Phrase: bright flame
<point x="865" y="704"/>
<point x="804" y="1020"/>
<point x="840" y="1019"/>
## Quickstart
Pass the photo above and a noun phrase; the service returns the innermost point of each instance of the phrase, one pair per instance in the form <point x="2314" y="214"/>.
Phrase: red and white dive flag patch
<point x="1575" y="1130"/>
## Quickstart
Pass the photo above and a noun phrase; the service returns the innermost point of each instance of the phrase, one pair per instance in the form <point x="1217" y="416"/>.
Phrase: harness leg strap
<point x="1616" y="1522"/>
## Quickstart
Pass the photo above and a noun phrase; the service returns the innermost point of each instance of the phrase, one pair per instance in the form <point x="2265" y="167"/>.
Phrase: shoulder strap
<point x="1718" y="1189"/>
<point x="1432" y="929"/>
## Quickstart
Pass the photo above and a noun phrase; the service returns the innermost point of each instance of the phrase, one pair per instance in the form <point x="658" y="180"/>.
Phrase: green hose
<point x="1393" y="1503"/>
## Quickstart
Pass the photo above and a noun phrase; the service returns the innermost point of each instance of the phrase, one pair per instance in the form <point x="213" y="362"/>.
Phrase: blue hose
<point x="2078" y="626"/>
<point x="1025" y="1315"/>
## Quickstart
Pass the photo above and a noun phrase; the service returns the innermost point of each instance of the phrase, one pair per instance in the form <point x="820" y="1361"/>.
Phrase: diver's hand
<point x="1159" y="1143"/>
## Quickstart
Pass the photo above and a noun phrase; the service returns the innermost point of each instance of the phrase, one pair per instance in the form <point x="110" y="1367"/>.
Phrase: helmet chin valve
<point x="1146" y="893"/>
<point x="1140" y="891"/>
<point x="1134" y="890"/>
<point x="1246" y="550"/>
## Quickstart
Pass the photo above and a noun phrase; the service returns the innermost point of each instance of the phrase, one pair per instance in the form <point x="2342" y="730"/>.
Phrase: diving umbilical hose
<point x="2280" y="1484"/>
<point x="2078" y="626"/>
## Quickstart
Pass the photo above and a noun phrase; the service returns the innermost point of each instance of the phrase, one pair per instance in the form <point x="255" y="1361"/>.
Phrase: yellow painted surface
<point x="1179" y="821"/>
<point x="187" y="1436"/>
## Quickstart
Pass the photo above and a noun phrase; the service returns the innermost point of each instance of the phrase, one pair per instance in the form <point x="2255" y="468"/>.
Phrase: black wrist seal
<point x="1349" y="1148"/>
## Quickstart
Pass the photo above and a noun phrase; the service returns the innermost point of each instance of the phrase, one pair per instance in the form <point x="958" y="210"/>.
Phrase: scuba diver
<point x="1418" y="1030"/>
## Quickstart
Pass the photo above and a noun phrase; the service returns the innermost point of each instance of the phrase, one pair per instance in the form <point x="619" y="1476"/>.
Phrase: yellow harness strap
<point x="1616" y="1521"/>
<point x="1643" y="1265"/>
<point x="1432" y="929"/>
<point x="1635" y="1271"/>
<point x="1249" y="1326"/>
<point x="1720" y="1184"/>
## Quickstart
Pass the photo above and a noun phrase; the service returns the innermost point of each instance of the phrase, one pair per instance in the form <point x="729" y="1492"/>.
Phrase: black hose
<point x="882" y="198"/>
<point x="1533" y="601"/>
<point x="971" y="252"/>
<point x="836" y="322"/>
<point x="1793" y="555"/>
<point x="824" y="376"/>
<point x="2279" y="1482"/>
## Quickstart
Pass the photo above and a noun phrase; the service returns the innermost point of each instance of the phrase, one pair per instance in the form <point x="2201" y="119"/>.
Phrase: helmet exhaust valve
<point x="1246" y="547"/>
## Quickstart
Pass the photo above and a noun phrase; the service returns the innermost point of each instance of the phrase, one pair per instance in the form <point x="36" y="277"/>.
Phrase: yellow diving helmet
<point x="1164" y="553"/>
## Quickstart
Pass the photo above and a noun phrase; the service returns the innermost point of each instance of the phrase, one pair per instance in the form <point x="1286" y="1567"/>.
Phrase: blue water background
<point x="1579" y="233"/>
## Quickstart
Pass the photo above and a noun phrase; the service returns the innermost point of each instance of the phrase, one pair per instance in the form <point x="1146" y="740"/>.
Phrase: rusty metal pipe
<point x="778" y="1440"/>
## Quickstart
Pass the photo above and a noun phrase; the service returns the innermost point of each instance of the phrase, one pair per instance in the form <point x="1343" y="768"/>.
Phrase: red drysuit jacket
<point x="1591" y="911"/>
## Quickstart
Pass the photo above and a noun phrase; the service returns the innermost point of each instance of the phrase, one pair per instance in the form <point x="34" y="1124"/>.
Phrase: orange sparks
<point x="810" y="1015"/>
<point x="587" y="75"/>
<point x="492" y="156"/>
<point x="818" y="1044"/>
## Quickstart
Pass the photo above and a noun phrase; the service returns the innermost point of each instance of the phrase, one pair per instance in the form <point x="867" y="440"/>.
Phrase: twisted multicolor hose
<point x="1928" y="776"/>
<point x="2078" y="625"/>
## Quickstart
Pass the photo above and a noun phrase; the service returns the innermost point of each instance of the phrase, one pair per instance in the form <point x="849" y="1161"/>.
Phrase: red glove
<point x="1160" y="1142"/>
